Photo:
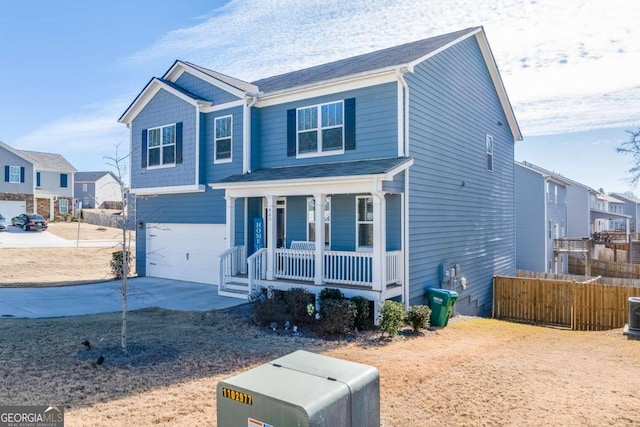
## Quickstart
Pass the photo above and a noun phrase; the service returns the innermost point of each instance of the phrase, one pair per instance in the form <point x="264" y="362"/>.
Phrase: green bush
<point x="418" y="317"/>
<point x="391" y="317"/>
<point x="117" y="263"/>
<point x="296" y="301"/>
<point x="337" y="316"/>
<point x="361" y="322"/>
<point x="330" y="293"/>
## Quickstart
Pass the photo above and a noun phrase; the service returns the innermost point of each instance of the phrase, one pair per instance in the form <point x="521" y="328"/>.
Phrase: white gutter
<point x="246" y="136"/>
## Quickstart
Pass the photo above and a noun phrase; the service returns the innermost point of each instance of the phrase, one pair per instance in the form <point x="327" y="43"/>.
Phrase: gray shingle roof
<point x="50" y="162"/>
<point x="231" y="81"/>
<point x="322" y="170"/>
<point x="91" y="176"/>
<point x="393" y="56"/>
<point x="182" y="90"/>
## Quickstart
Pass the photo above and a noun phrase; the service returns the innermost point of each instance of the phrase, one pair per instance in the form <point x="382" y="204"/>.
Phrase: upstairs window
<point x="489" y="150"/>
<point x="14" y="173"/>
<point x="222" y="139"/>
<point x="84" y="188"/>
<point x="162" y="146"/>
<point x="322" y="130"/>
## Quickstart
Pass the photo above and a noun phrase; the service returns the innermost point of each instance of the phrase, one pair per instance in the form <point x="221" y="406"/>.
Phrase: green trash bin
<point x="441" y="304"/>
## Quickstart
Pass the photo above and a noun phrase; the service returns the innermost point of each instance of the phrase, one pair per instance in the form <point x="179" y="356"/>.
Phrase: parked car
<point x="30" y="222"/>
<point x="3" y="223"/>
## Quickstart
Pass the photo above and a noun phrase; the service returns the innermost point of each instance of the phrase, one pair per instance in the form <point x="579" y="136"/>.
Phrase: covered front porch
<point x="337" y="229"/>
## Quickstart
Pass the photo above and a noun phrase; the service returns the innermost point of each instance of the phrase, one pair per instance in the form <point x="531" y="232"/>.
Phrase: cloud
<point x="567" y="65"/>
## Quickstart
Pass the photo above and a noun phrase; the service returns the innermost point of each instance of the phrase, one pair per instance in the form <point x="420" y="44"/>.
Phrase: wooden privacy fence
<point x="580" y="306"/>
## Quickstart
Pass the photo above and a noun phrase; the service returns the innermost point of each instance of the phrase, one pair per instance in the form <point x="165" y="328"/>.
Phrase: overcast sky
<point x="72" y="67"/>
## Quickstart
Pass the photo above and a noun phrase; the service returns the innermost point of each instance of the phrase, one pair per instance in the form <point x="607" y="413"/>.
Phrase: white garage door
<point x="186" y="252"/>
<point x="11" y="209"/>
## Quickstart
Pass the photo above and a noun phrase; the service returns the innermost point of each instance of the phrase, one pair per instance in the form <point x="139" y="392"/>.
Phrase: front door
<point x="281" y="237"/>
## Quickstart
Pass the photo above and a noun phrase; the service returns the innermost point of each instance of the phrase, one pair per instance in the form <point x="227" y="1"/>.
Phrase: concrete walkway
<point x="105" y="297"/>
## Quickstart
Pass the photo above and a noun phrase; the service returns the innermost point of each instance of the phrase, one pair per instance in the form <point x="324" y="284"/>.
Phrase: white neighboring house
<point x="98" y="190"/>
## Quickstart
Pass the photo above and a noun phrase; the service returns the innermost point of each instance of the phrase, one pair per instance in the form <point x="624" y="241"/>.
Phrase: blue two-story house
<point x="379" y="174"/>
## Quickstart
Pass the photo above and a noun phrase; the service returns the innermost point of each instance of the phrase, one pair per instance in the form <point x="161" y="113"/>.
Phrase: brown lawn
<point x="473" y="372"/>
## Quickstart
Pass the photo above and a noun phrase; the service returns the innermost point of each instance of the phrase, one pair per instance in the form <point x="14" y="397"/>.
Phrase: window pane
<point x="327" y="232"/>
<point x="332" y="114"/>
<point x="223" y="127"/>
<point x="223" y="149"/>
<point x="308" y="142"/>
<point x="168" y="135"/>
<point x="311" y="210"/>
<point x="365" y="209"/>
<point x="312" y="231"/>
<point x="153" y="139"/>
<point x="332" y="139"/>
<point x="308" y="118"/>
<point x="365" y="235"/>
<point x="154" y="157"/>
<point x="168" y="154"/>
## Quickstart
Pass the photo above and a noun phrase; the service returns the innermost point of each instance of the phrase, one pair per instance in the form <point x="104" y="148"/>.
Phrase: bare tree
<point x="119" y="165"/>
<point x="632" y="147"/>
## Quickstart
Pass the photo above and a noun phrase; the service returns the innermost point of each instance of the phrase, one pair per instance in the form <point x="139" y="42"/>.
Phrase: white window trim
<point x="215" y="141"/>
<point x="319" y="152"/>
<point x="358" y="222"/>
<point x="489" y="151"/>
<point x="84" y="188"/>
<point x="161" y="146"/>
<point x="327" y="236"/>
<point x="12" y="174"/>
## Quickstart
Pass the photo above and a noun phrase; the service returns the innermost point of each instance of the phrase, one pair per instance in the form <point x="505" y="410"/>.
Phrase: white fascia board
<point x="177" y="189"/>
<point x="337" y="185"/>
<point x="386" y="75"/>
<point x="400" y="168"/>
<point x="149" y="92"/>
<point x="180" y="67"/>
<point x="226" y="105"/>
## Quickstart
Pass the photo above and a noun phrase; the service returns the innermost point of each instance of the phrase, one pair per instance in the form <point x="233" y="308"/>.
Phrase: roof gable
<point x="85" y="177"/>
<point x="48" y="162"/>
<point x="15" y="152"/>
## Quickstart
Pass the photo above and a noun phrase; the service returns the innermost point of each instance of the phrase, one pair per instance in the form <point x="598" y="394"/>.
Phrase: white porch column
<point x="379" y="241"/>
<point x="319" y="257"/>
<point x="272" y="235"/>
<point x="231" y="221"/>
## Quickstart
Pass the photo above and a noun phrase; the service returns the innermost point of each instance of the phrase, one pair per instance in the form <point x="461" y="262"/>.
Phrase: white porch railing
<point x="395" y="267"/>
<point x="348" y="268"/>
<point x="257" y="267"/>
<point x="294" y="264"/>
<point x="232" y="263"/>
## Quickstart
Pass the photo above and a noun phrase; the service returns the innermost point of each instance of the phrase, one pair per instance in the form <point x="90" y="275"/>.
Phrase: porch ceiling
<point x="338" y="177"/>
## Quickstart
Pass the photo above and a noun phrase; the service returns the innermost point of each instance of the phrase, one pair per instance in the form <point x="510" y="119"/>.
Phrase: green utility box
<point x="301" y="389"/>
<point x="441" y="302"/>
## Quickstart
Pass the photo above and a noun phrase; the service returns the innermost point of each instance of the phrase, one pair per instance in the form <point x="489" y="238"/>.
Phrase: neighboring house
<point x="541" y="217"/>
<point x="35" y="182"/>
<point x="631" y="207"/>
<point x="380" y="174"/>
<point x="612" y="205"/>
<point x="98" y="190"/>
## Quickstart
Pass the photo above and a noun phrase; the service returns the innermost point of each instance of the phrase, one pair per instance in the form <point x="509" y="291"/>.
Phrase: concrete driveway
<point x="105" y="297"/>
<point x="15" y="237"/>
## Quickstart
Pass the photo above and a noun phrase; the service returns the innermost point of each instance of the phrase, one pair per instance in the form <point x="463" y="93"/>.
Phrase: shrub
<point x="418" y="317"/>
<point x="268" y="306"/>
<point x="117" y="263"/>
<point x="391" y="317"/>
<point x="337" y="316"/>
<point x="361" y="322"/>
<point x="296" y="301"/>
<point x="330" y="293"/>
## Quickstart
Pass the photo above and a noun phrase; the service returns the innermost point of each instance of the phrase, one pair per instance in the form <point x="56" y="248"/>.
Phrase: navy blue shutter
<point x="21" y="173"/>
<point x="37" y="179"/>
<point x="144" y="148"/>
<point x="350" y="124"/>
<point x="63" y="180"/>
<point x="291" y="132"/>
<point x="6" y="174"/>
<point x="179" y="142"/>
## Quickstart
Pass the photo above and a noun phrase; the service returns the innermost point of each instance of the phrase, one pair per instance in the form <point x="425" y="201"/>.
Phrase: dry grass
<point x="69" y="231"/>
<point x="474" y="372"/>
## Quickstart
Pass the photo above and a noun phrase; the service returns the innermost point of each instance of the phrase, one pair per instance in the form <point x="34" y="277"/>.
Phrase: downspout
<point x="403" y="150"/>
<point x="246" y="164"/>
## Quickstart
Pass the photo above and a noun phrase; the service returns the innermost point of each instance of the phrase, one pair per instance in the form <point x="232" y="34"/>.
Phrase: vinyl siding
<point x="90" y="193"/>
<point x="164" y="109"/>
<point x="394" y="222"/>
<point x="343" y="222"/>
<point x="7" y="158"/>
<point x="205" y="90"/>
<point x="460" y="213"/>
<point x="578" y="212"/>
<point x="216" y="171"/>
<point x="50" y="181"/>
<point x="530" y="220"/>
<point x="376" y="128"/>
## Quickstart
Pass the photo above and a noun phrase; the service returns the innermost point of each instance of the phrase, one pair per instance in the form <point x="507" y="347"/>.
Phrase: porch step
<point x="237" y="286"/>
<point x="232" y="293"/>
